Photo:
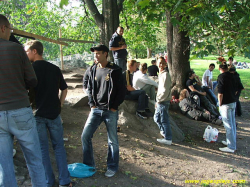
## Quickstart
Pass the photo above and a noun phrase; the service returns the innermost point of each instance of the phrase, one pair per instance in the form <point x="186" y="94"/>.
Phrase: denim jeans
<point x="55" y="130"/>
<point x="150" y="91"/>
<point x="121" y="62"/>
<point x="211" y="94"/>
<point x="140" y="96"/>
<point x="96" y="117"/>
<point x="161" y="118"/>
<point x="227" y="112"/>
<point x="214" y="84"/>
<point x="21" y="124"/>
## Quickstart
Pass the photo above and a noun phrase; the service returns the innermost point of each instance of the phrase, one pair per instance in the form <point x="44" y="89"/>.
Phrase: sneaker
<point x="224" y="142"/>
<point x="14" y="152"/>
<point x="164" y="141"/>
<point x="162" y="134"/>
<point x="110" y="173"/>
<point x="226" y="149"/>
<point x="142" y="115"/>
<point x="72" y="184"/>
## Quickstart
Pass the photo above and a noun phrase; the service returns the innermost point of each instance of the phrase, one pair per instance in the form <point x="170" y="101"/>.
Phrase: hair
<point x="130" y="63"/>
<point x="231" y="58"/>
<point x="120" y="28"/>
<point x="35" y="44"/>
<point x="224" y="67"/>
<point x="153" y="61"/>
<point x="212" y="64"/>
<point x="161" y="57"/>
<point x="143" y="67"/>
<point x="3" y="20"/>
<point x="183" y="94"/>
<point x="190" y="73"/>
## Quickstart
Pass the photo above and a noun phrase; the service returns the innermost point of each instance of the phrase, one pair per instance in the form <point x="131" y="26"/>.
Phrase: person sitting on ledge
<point x="133" y="94"/>
<point x="141" y="81"/>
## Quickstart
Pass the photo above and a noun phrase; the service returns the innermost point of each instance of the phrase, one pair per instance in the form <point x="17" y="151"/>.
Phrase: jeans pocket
<point x="24" y="121"/>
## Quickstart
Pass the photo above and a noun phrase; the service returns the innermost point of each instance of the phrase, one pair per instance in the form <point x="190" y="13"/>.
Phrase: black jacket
<point x="116" y="88"/>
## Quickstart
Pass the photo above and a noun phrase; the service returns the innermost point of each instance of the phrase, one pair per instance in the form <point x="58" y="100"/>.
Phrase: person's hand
<point x="207" y="112"/>
<point x="124" y="46"/>
<point x="155" y="104"/>
<point x="93" y="107"/>
<point x="113" y="110"/>
<point x="203" y="93"/>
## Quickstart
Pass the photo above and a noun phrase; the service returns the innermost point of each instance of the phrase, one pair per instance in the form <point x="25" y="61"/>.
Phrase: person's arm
<point x="191" y="87"/>
<point x="63" y="96"/>
<point x="130" y="88"/>
<point x="198" y="80"/>
<point x="220" y="97"/>
<point x="118" y="48"/>
<point x="144" y="78"/>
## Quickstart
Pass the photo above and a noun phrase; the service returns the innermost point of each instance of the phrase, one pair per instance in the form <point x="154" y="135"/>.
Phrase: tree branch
<point x="94" y="12"/>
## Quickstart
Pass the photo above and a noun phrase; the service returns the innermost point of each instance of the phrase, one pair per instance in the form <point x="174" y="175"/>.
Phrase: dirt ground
<point x="145" y="163"/>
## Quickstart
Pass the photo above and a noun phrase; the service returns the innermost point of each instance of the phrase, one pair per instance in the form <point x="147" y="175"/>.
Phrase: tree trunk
<point x="149" y="52"/>
<point x="108" y="21"/>
<point x="178" y="47"/>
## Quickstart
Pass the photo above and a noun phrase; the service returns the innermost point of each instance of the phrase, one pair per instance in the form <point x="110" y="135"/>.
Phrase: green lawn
<point x="200" y="67"/>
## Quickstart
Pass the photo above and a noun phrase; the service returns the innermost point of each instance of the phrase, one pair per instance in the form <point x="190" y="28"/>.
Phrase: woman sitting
<point x="190" y="106"/>
<point x="141" y="81"/>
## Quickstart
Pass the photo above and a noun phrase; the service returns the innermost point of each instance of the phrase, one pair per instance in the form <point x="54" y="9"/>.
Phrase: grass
<point x="200" y="66"/>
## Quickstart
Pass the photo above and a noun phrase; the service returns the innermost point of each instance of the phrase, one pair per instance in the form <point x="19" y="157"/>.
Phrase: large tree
<point x="108" y="19"/>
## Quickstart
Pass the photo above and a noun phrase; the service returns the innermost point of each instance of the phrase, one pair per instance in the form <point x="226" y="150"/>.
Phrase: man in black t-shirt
<point x="118" y="47"/>
<point x="48" y="107"/>
<point x="153" y="69"/>
<point x="106" y="91"/>
<point x="227" y="88"/>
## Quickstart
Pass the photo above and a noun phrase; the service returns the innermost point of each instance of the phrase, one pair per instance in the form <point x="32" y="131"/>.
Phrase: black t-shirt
<point x="192" y="82"/>
<point x="102" y="84"/>
<point x="130" y="78"/>
<point x="227" y="86"/>
<point x="50" y="80"/>
<point x="153" y="70"/>
<point x="118" y="41"/>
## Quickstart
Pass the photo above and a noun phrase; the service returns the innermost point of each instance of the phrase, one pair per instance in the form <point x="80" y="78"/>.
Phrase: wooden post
<point x="61" y="51"/>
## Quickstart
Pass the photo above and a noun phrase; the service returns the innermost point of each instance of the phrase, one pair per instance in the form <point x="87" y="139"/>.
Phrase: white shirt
<point x="206" y="74"/>
<point x="140" y="80"/>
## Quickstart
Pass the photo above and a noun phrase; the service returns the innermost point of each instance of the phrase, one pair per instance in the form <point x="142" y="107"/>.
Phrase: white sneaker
<point x="224" y="142"/>
<point x="110" y="173"/>
<point x="162" y="134"/>
<point x="226" y="149"/>
<point x="164" y="141"/>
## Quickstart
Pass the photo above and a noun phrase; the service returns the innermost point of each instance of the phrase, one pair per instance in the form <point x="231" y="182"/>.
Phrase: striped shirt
<point x="16" y="75"/>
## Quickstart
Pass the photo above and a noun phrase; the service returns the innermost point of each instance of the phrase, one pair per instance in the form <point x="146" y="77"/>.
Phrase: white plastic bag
<point x="210" y="134"/>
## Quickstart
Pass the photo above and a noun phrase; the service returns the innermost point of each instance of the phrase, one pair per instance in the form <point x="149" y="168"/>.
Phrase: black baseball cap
<point x="100" y="48"/>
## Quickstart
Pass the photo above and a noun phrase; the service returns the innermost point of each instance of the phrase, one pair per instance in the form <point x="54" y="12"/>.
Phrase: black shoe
<point x="149" y="113"/>
<point x="142" y="115"/>
<point x="118" y="129"/>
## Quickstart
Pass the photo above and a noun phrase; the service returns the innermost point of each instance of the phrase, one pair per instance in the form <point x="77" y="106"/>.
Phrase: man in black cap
<point x="106" y="91"/>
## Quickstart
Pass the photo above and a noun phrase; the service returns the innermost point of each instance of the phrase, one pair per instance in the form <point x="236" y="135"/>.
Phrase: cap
<point x="100" y="48"/>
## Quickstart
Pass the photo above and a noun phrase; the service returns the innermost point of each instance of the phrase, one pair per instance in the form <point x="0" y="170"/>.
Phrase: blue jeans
<point x="211" y="94"/>
<point x="96" y="117"/>
<point x="21" y="124"/>
<point x="121" y="62"/>
<point x="214" y="84"/>
<point x="161" y="118"/>
<point x="55" y="130"/>
<point x="227" y="112"/>
<point x="140" y="96"/>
